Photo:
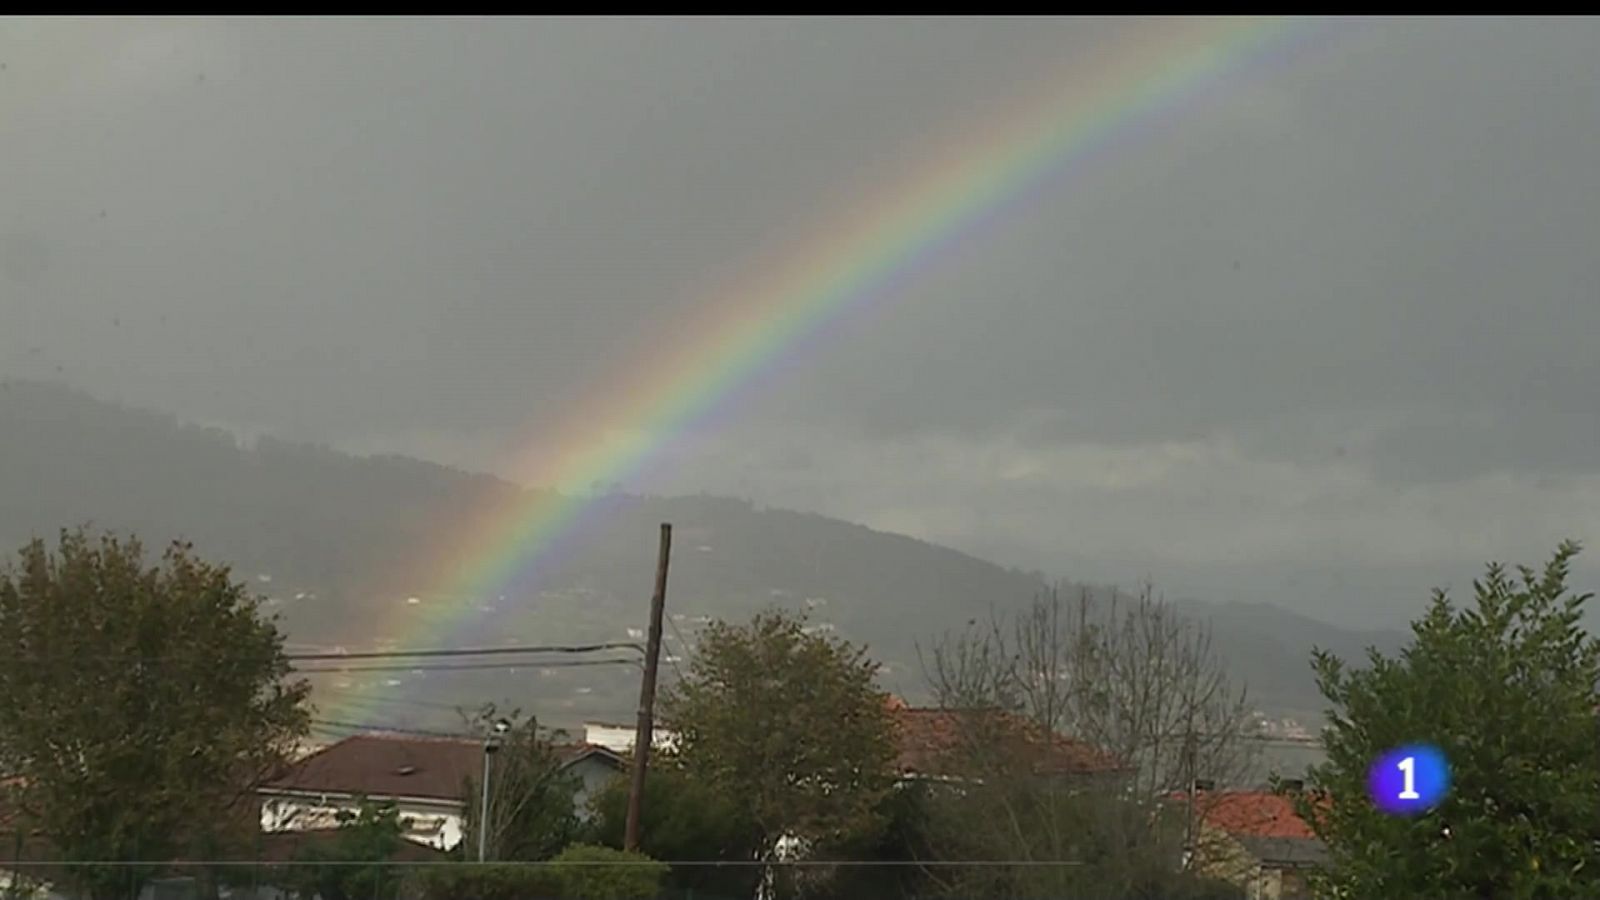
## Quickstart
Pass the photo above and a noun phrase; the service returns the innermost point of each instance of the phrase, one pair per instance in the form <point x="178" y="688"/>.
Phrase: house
<point x="29" y="871"/>
<point x="426" y="779"/>
<point x="938" y="743"/>
<point x="1255" y="840"/>
<point x="286" y="846"/>
<point x="618" y="737"/>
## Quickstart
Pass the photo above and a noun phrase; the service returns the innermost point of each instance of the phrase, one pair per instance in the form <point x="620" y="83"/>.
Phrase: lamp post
<point x="490" y="745"/>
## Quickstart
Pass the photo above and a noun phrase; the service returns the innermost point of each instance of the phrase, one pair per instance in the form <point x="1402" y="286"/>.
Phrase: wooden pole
<point x="644" y="733"/>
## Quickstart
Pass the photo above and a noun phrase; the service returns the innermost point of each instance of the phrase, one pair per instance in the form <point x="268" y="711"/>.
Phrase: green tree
<point x="532" y="796"/>
<point x="139" y="705"/>
<point x="602" y="873"/>
<point x="579" y="871"/>
<point x="371" y="834"/>
<point x="790" y="723"/>
<point x="492" y="881"/>
<point x="1507" y="690"/>
<point x="901" y="841"/>
<point x="682" y="819"/>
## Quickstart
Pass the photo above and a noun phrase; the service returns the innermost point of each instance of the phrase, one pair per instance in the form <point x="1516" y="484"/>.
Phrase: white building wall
<point x="619" y="738"/>
<point x="593" y="776"/>
<point x="437" y="825"/>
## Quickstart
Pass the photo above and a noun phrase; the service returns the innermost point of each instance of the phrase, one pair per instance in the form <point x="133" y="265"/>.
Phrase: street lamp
<point x="490" y="745"/>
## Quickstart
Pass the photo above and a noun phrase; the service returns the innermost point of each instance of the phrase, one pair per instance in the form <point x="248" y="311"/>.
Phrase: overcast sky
<point x="1323" y="335"/>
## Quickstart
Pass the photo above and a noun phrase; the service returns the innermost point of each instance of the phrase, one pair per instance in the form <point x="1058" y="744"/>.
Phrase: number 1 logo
<point x="1408" y="780"/>
<point x="1408" y="767"/>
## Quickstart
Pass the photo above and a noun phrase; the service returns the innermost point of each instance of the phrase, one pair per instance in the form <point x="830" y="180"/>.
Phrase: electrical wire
<point x="467" y="651"/>
<point x="327" y="668"/>
<point x="323" y="656"/>
<point x="333" y="724"/>
<point x="683" y="645"/>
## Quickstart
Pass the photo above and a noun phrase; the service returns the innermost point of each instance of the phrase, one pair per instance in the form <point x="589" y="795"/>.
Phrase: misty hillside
<point x="353" y="551"/>
<point x="1269" y="648"/>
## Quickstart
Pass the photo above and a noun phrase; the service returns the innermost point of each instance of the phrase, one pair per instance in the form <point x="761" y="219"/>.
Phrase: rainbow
<point x="738" y="335"/>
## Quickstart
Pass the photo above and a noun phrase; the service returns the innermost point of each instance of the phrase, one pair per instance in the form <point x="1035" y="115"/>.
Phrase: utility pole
<point x="644" y="733"/>
<point x="491" y="743"/>
<point x="483" y="815"/>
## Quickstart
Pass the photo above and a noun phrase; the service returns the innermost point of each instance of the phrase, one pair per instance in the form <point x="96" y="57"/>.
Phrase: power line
<point x="324" y="656"/>
<point x="461" y="707"/>
<point x="408" y="701"/>
<point x="334" y="724"/>
<point x="683" y="645"/>
<point x="467" y="651"/>
<point x="430" y="716"/>
<point x="468" y="667"/>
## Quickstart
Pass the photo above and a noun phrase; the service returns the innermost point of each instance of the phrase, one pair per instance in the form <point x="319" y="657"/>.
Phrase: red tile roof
<point x="380" y="765"/>
<point x="931" y="739"/>
<point x="1252" y="813"/>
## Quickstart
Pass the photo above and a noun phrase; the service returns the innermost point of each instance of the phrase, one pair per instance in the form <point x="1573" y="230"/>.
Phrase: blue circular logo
<point x="1409" y="780"/>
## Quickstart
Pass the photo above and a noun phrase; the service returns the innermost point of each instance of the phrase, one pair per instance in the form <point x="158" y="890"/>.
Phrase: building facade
<point x="425" y="778"/>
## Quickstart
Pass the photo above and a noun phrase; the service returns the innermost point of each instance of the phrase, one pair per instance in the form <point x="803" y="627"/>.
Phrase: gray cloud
<point x="1303" y="323"/>
<point x="1210" y="516"/>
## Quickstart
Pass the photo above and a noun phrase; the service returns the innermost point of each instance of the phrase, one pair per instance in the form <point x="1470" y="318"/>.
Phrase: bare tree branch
<point x="1127" y="676"/>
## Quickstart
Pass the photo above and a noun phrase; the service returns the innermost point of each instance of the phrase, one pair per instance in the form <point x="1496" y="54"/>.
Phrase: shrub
<point x="493" y="881"/>
<point x="579" y="872"/>
<point x="633" y="876"/>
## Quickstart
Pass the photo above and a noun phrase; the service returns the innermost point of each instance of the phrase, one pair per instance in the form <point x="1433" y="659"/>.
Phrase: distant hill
<point x="347" y="549"/>
<point x="1269" y="649"/>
